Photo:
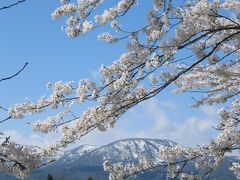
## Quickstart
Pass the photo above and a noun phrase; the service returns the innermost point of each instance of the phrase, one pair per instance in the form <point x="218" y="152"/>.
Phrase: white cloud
<point x="168" y="104"/>
<point x="31" y="139"/>
<point x="210" y="111"/>
<point x="157" y="124"/>
<point x="149" y="120"/>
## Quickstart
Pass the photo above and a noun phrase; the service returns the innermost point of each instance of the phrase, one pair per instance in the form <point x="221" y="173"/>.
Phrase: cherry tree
<point x="16" y="158"/>
<point x="190" y="45"/>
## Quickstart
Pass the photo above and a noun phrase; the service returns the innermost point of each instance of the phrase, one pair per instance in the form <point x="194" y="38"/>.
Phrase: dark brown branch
<point x="11" y="5"/>
<point x="44" y="164"/>
<point x="163" y="165"/>
<point x="5" y="109"/>
<point x="10" y="77"/>
<point x="5" y="119"/>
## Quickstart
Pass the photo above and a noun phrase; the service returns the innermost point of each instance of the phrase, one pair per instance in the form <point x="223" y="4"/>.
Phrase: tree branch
<point x="11" y="5"/>
<point x="9" y="117"/>
<point x="10" y="77"/>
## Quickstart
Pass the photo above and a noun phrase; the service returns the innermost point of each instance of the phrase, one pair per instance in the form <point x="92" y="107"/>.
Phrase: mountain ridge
<point x="86" y="160"/>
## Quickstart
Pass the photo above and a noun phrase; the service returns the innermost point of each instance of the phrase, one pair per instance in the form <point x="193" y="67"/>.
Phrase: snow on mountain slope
<point x="126" y="150"/>
<point x="71" y="155"/>
<point x="78" y="163"/>
<point x="87" y="160"/>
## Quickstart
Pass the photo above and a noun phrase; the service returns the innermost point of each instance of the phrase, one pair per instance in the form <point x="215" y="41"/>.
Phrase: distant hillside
<point x="87" y="160"/>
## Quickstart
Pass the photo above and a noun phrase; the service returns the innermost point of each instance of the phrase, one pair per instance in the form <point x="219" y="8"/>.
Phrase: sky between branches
<point x="28" y="34"/>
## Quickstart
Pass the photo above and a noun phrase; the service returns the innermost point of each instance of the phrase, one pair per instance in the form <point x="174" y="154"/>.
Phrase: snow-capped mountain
<point x="127" y="150"/>
<point x="87" y="160"/>
<point x="70" y="156"/>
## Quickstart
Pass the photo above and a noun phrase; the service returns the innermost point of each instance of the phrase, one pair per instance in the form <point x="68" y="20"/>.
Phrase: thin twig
<point x="10" y="77"/>
<point x="6" y="7"/>
<point x="5" y="119"/>
<point x="5" y="109"/>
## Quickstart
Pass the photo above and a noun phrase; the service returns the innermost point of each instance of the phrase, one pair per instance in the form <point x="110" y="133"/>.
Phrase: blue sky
<point x="29" y="34"/>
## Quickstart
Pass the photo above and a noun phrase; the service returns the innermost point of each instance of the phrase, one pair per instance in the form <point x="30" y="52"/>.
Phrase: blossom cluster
<point x="118" y="171"/>
<point x="17" y="159"/>
<point x="236" y="168"/>
<point x="193" y="47"/>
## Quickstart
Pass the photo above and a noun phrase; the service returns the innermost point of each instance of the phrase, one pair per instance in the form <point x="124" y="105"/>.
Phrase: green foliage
<point x="49" y="177"/>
